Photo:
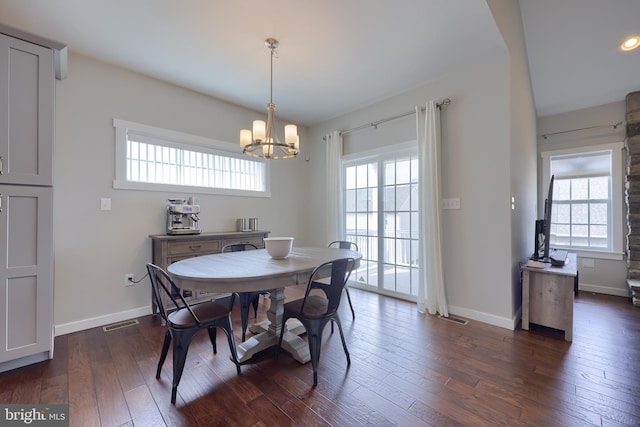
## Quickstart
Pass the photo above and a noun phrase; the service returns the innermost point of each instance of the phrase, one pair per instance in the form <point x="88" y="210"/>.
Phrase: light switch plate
<point x="105" y="204"/>
<point x="451" y="203"/>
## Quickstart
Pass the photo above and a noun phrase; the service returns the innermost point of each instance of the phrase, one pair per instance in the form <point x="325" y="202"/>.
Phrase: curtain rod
<point x="440" y="104"/>
<point x="614" y="126"/>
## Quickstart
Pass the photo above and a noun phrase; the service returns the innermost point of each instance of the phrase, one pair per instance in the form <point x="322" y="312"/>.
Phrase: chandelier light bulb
<point x="630" y="43"/>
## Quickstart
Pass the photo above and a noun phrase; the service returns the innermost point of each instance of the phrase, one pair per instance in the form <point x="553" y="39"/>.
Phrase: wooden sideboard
<point x="547" y="296"/>
<point x="167" y="249"/>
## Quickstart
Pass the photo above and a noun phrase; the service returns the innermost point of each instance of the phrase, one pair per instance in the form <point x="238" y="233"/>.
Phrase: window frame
<point x="178" y="140"/>
<point x="616" y="252"/>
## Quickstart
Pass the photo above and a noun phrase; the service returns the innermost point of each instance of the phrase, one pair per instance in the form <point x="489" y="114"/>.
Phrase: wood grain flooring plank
<point x="55" y="390"/>
<point x="27" y="384"/>
<point x="122" y="347"/>
<point x="328" y="410"/>
<point x="178" y="415"/>
<point x="407" y="369"/>
<point x="143" y="408"/>
<point x="270" y="414"/>
<point x="83" y="406"/>
<point x="303" y="415"/>
<point x="112" y="405"/>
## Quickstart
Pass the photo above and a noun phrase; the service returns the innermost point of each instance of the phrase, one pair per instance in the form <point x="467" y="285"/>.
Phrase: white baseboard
<point x="626" y="292"/>
<point x="491" y="319"/>
<point x="93" y="322"/>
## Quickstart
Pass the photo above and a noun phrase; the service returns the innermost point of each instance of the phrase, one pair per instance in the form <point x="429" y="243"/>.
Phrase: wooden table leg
<point x="269" y="337"/>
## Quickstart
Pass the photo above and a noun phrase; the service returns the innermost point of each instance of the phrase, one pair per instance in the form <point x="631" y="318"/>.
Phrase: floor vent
<point x="119" y="325"/>
<point x="454" y="319"/>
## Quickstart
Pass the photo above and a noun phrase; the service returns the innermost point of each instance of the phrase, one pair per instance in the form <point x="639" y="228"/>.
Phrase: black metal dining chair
<point x="317" y="308"/>
<point x="247" y="299"/>
<point x="343" y="244"/>
<point x="185" y="320"/>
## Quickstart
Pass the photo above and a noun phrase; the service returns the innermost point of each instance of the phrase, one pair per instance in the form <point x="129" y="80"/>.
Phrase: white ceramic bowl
<point x="278" y="247"/>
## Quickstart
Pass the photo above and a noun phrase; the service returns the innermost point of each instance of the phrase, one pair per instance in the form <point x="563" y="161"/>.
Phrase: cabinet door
<point x="26" y="271"/>
<point x="26" y="113"/>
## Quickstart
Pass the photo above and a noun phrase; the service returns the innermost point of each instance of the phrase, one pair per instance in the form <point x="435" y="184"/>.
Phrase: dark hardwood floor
<point x="407" y="369"/>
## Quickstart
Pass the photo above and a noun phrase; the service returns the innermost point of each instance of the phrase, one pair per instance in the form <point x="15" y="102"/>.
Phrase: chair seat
<point x="206" y="312"/>
<point x="314" y="308"/>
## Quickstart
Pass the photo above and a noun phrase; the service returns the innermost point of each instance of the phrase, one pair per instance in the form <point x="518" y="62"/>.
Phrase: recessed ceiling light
<point x="630" y="43"/>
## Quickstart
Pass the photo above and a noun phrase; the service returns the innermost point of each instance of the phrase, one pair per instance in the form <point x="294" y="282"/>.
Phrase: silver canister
<point x="243" y="224"/>
<point x="253" y="224"/>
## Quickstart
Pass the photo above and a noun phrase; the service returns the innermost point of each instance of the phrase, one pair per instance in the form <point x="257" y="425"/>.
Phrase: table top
<point x="570" y="268"/>
<point x="252" y="270"/>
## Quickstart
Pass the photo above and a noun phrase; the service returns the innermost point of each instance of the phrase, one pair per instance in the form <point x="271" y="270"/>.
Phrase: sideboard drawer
<point x="254" y="240"/>
<point x="197" y="247"/>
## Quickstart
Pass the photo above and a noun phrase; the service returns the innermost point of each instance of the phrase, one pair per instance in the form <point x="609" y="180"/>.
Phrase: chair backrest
<point x="161" y="282"/>
<point x="238" y="247"/>
<point x="339" y="271"/>
<point x="344" y="244"/>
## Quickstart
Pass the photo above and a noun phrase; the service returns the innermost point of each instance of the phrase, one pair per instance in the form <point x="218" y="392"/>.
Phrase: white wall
<point x="607" y="276"/>
<point x="523" y="141"/>
<point x="476" y="168"/>
<point x="93" y="248"/>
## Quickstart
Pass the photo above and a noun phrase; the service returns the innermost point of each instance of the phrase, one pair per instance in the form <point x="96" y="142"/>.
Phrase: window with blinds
<point x="586" y="200"/>
<point x="152" y="158"/>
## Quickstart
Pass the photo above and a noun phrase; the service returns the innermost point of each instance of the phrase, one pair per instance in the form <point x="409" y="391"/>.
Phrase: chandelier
<point x="263" y="142"/>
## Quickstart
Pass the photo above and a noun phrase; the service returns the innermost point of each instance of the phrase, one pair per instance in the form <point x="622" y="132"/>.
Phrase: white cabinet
<point x="26" y="267"/>
<point x="26" y="198"/>
<point x="26" y="113"/>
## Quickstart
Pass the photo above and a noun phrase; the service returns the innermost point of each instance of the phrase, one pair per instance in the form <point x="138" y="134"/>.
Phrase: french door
<point x="381" y="216"/>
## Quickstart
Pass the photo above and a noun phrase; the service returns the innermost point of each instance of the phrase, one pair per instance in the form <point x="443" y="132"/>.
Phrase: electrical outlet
<point x="128" y="279"/>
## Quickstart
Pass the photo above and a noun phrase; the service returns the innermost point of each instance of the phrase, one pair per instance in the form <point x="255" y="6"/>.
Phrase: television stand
<point x="547" y="295"/>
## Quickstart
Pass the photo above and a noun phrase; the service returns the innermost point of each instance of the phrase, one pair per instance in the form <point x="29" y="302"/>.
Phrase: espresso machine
<point x="182" y="218"/>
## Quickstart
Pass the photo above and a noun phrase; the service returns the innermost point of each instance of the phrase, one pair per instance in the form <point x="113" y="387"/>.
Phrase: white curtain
<point x="431" y="292"/>
<point x="335" y="223"/>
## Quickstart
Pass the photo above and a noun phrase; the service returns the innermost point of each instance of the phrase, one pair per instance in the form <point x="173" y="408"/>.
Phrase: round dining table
<point x="256" y="270"/>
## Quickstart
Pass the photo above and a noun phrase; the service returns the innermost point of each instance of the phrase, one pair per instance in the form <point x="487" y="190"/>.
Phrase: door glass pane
<point x="361" y="219"/>
<point x="389" y="246"/>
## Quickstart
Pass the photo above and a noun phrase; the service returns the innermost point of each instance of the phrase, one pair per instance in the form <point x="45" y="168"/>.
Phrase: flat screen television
<point x="543" y="228"/>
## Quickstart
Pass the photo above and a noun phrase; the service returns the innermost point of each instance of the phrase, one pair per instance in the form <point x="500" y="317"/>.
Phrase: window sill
<point x="145" y="186"/>
<point x="581" y="253"/>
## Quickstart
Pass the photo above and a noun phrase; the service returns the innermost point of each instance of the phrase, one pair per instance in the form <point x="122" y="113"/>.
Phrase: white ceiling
<point x="574" y="52"/>
<point x="335" y="55"/>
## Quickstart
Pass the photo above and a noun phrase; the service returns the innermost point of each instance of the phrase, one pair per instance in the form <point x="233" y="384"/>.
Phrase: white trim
<point x="363" y="156"/>
<point x="617" y="234"/>
<point x="614" y="256"/>
<point x="184" y="141"/>
<point x="80" y="325"/>
<point x="606" y="290"/>
<point x="379" y="156"/>
<point x="491" y="319"/>
<point x="166" y="188"/>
